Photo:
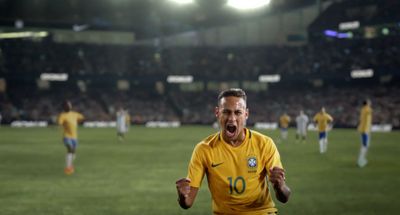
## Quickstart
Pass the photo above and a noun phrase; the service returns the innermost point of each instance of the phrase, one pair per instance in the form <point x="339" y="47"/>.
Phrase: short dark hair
<point x="236" y="92"/>
<point x="66" y="105"/>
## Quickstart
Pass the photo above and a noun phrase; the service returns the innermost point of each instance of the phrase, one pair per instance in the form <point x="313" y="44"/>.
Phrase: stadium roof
<point x="146" y="18"/>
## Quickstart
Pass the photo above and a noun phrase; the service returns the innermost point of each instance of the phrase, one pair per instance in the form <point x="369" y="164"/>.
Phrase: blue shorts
<point x="365" y="139"/>
<point x="284" y="129"/>
<point x="322" y="135"/>
<point x="70" y="142"/>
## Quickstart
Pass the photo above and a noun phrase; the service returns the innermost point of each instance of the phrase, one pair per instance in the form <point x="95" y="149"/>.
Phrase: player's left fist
<point x="277" y="176"/>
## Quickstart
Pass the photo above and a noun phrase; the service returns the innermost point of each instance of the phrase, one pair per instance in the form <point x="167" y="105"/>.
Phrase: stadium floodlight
<point x="349" y="25"/>
<point x="78" y="28"/>
<point x="269" y="78"/>
<point x="179" y="79"/>
<point x="247" y="4"/>
<point x="183" y="1"/>
<point x="24" y="34"/>
<point x="330" y="33"/>
<point x="385" y="31"/>
<point x="344" y="35"/>
<point x="362" y="73"/>
<point x="54" y="76"/>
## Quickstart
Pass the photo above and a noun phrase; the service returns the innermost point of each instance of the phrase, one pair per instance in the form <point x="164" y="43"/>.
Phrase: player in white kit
<point x="123" y="123"/>
<point x="301" y="122"/>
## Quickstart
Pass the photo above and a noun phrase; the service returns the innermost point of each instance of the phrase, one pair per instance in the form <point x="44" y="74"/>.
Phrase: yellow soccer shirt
<point x="128" y="119"/>
<point x="365" y="119"/>
<point x="236" y="175"/>
<point x="322" y="120"/>
<point x="69" y="122"/>
<point x="284" y="121"/>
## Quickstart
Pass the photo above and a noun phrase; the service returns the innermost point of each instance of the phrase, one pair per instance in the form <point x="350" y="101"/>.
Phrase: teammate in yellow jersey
<point x="69" y="121"/>
<point x="364" y="128"/>
<point x="237" y="161"/>
<point x="323" y="120"/>
<point x="284" y="121"/>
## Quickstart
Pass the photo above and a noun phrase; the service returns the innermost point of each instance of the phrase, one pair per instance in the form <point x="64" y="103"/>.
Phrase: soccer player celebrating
<point x="237" y="161"/>
<point x="284" y="121"/>
<point x="323" y="119"/>
<point x="123" y="122"/>
<point x="364" y="128"/>
<point x="301" y="122"/>
<point x="69" y="121"/>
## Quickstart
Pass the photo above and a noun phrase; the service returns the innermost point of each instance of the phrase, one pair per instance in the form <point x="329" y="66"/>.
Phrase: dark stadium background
<point x="314" y="68"/>
<point x="123" y="52"/>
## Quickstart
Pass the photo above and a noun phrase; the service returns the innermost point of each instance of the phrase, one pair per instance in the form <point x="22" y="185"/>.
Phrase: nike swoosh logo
<point x="215" y="165"/>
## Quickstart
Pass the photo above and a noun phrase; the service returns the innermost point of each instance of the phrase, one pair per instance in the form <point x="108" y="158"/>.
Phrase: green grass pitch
<point x="138" y="176"/>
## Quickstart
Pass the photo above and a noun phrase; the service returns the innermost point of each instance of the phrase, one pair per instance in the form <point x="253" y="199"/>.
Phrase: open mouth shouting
<point x="230" y="130"/>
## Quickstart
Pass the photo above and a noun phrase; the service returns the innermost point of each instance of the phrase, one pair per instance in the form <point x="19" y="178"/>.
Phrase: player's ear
<point x="216" y="111"/>
<point x="247" y="113"/>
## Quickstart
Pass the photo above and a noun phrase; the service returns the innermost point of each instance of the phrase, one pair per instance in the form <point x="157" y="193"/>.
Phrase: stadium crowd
<point x="197" y="107"/>
<point x="336" y="58"/>
<point x="22" y="57"/>
<point x="25" y="59"/>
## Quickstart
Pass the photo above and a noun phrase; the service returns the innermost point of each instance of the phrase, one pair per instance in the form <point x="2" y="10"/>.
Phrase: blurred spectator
<point x="23" y="58"/>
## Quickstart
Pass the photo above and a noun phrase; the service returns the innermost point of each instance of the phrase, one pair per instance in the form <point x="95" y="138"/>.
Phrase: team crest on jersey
<point x="251" y="162"/>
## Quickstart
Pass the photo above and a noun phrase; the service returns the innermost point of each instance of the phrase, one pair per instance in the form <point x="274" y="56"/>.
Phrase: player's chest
<point x="225" y="162"/>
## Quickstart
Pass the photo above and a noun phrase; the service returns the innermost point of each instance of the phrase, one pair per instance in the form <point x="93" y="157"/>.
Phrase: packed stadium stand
<point x="329" y="60"/>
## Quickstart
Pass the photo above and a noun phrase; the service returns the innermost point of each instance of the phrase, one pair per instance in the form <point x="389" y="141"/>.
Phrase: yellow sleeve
<point x="60" y="119"/>
<point x="197" y="166"/>
<point x="80" y="117"/>
<point x="330" y="118"/>
<point x="273" y="158"/>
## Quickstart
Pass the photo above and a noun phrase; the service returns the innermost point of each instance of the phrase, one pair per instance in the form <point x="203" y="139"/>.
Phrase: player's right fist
<point x="183" y="187"/>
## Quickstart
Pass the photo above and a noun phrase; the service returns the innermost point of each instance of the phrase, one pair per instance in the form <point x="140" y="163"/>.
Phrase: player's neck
<point x="239" y="140"/>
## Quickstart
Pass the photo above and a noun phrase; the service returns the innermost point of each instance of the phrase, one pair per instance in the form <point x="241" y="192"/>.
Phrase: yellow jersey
<point x="69" y="122"/>
<point x="322" y="120"/>
<point x="284" y="121"/>
<point x="236" y="175"/>
<point x="365" y="119"/>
